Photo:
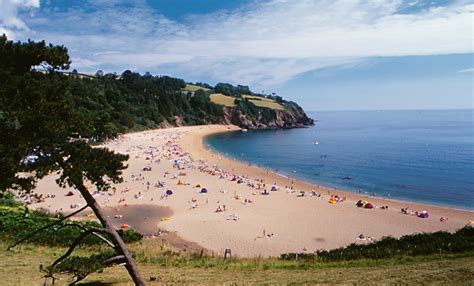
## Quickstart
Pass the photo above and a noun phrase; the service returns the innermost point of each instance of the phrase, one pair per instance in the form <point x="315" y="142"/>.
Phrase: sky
<point x="324" y="54"/>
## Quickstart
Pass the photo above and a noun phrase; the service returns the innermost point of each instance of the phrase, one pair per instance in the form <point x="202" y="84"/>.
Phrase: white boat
<point x="316" y="142"/>
<point x="244" y="130"/>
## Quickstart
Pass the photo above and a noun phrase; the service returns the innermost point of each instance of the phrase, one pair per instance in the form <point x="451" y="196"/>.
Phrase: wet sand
<point x="143" y="218"/>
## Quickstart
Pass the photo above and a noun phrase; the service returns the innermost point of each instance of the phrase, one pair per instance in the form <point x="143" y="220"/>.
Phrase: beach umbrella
<point x="423" y="214"/>
<point x="369" y="206"/>
<point x="169" y="192"/>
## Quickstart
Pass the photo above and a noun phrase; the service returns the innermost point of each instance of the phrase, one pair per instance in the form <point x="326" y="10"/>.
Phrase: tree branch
<point x="115" y="259"/>
<point x="48" y="226"/>
<point x="95" y="232"/>
<point x="105" y="240"/>
<point x="72" y="247"/>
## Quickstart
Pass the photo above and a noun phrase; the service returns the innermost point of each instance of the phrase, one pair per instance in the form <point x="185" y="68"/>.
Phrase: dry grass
<point x="192" y="87"/>
<point x="264" y="102"/>
<point x="20" y="267"/>
<point x="222" y="99"/>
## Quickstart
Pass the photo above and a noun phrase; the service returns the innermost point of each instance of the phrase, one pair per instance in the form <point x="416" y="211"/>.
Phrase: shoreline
<point x="208" y="151"/>
<point x="309" y="183"/>
<point x="252" y="224"/>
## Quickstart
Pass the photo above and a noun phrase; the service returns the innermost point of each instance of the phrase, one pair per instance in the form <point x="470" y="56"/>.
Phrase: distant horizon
<point x="407" y="109"/>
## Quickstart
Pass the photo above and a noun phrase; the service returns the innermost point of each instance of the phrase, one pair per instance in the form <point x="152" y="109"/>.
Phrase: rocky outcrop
<point x="292" y="117"/>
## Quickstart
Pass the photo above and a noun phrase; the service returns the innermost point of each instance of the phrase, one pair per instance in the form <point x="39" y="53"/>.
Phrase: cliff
<point x="291" y="117"/>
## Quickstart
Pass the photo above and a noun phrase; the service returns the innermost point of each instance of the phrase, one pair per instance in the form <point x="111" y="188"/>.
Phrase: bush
<point x="17" y="222"/>
<point x="462" y="241"/>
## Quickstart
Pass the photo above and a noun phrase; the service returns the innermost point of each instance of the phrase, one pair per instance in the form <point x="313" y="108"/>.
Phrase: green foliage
<point x="130" y="235"/>
<point x="39" y="121"/>
<point x="7" y="199"/>
<point x="17" y="222"/>
<point x="247" y="108"/>
<point x="228" y="89"/>
<point x="80" y="267"/>
<point x="134" y="102"/>
<point x="419" y="244"/>
<point x="203" y="84"/>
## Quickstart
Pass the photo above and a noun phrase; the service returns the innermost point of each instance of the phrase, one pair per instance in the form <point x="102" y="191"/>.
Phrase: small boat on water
<point x="316" y="142"/>
<point x="244" y="130"/>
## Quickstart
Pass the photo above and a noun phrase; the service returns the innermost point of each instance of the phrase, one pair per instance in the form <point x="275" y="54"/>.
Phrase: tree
<point x="37" y="121"/>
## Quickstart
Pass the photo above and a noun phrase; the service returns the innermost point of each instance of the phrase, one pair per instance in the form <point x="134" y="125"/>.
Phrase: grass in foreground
<point x="439" y="257"/>
<point x="21" y="267"/>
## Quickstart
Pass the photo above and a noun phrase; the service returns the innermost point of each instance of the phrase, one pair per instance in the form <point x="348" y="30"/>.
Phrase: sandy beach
<point x="250" y="223"/>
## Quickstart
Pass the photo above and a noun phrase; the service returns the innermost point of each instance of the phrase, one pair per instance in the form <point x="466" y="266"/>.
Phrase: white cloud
<point x="263" y="44"/>
<point x="9" y="13"/>
<point x="469" y="70"/>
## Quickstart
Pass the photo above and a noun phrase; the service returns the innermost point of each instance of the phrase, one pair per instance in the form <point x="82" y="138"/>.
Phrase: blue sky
<point x="325" y="54"/>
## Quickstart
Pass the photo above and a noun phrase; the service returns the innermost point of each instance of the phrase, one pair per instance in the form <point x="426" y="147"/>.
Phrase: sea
<point x="424" y="156"/>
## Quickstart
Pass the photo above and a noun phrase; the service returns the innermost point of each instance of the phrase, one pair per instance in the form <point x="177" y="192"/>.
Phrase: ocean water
<point x="420" y="156"/>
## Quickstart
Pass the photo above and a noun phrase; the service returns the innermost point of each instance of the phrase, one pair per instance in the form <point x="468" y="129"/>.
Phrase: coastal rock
<point x="292" y="117"/>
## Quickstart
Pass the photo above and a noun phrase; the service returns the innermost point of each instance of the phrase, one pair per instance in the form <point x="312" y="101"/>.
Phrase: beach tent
<point x="274" y="189"/>
<point x="369" y="206"/>
<point x="169" y="192"/>
<point x="198" y="186"/>
<point x="124" y="226"/>
<point x="203" y="190"/>
<point x="423" y="214"/>
<point x="70" y="193"/>
<point x="361" y="203"/>
<point x="180" y="183"/>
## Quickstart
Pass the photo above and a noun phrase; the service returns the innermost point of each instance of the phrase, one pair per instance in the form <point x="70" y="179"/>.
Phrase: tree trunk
<point x="120" y="245"/>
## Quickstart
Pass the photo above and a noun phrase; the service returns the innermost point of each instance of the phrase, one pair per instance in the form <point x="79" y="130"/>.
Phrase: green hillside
<point x="221" y="99"/>
<point x="193" y="88"/>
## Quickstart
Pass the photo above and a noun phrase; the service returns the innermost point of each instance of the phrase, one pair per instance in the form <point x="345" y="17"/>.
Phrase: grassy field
<point x="264" y="102"/>
<point x="222" y="99"/>
<point x="258" y="101"/>
<point x="21" y="267"/>
<point x="192" y="87"/>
